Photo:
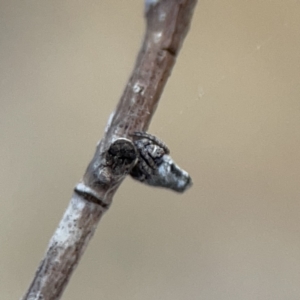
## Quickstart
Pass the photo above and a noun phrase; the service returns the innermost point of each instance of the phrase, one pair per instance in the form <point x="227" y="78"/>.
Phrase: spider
<point x="150" y="152"/>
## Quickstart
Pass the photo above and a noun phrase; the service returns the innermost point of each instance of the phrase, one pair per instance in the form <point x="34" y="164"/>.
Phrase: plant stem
<point x="168" y="22"/>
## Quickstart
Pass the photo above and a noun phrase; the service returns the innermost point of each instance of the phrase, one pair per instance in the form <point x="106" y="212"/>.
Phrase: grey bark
<point x="167" y="24"/>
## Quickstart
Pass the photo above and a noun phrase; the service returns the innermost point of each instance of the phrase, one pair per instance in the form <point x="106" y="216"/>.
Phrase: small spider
<point x="150" y="153"/>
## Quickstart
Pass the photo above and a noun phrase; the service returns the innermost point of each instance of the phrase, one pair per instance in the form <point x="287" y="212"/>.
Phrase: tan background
<point x="230" y="114"/>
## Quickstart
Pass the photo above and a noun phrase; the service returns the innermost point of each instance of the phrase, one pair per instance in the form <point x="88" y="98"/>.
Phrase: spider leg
<point x="143" y="150"/>
<point x="145" y="168"/>
<point x="154" y="139"/>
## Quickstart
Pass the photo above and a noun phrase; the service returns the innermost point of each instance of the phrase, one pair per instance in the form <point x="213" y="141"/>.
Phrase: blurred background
<point x="229" y="113"/>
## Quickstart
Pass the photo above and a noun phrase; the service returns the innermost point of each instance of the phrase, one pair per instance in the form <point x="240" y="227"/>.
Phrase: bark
<point x="167" y="24"/>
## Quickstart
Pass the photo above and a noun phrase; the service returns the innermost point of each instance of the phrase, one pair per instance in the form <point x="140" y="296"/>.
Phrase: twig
<point x="167" y="24"/>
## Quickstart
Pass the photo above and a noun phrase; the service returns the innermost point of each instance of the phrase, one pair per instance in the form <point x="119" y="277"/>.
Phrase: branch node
<point x="90" y="195"/>
<point x="121" y="157"/>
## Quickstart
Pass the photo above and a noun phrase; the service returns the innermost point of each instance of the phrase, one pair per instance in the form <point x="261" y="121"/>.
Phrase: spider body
<point x="154" y="165"/>
<point x="150" y="153"/>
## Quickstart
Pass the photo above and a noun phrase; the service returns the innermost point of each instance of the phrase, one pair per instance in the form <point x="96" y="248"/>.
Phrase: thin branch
<point x="167" y="24"/>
